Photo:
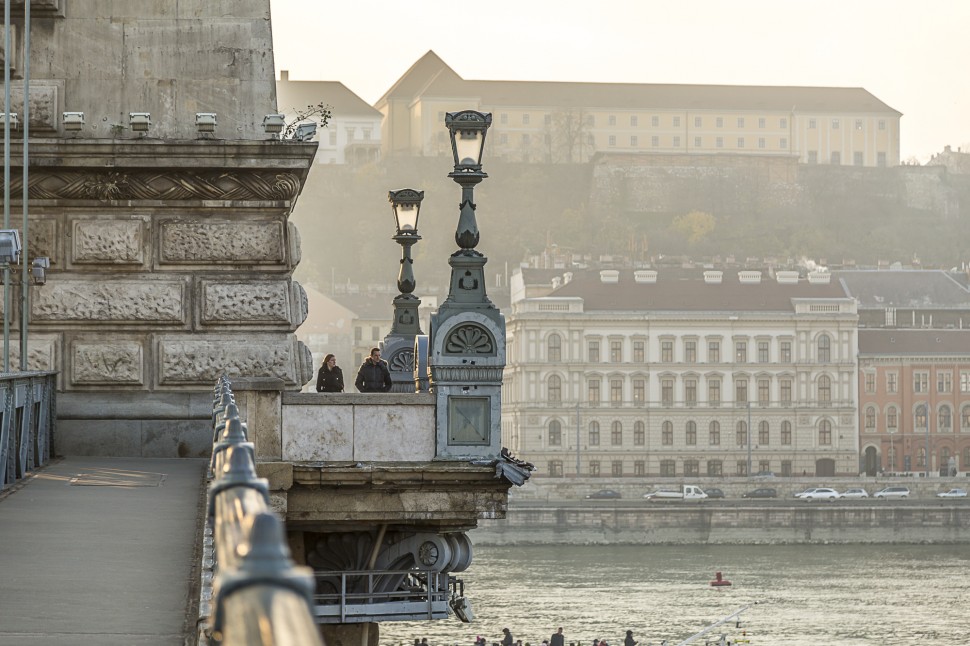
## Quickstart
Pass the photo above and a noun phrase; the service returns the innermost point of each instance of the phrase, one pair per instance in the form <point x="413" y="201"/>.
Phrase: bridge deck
<point x="101" y="551"/>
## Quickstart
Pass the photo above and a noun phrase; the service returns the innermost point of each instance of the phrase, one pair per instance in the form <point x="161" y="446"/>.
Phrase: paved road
<point x="522" y="503"/>
<point x="100" y="552"/>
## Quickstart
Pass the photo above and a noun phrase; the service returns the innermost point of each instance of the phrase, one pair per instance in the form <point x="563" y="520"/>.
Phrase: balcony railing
<point x="26" y="423"/>
<point x="384" y="595"/>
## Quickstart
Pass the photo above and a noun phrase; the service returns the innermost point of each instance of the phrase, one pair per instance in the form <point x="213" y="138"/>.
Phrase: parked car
<point x="855" y="493"/>
<point x="714" y="492"/>
<point x="799" y="494"/>
<point x="604" y="494"/>
<point x="892" y="492"/>
<point x="821" y="493"/>
<point x="953" y="493"/>
<point x="764" y="475"/>
<point x="761" y="492"/>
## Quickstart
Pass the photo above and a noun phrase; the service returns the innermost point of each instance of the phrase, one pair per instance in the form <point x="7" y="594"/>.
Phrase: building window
<point x="921" y="420"/>
<point x="764" y="435"/>
<point x="835" y="158"/>
<point x="375" y="333"/>
<point x="594" y="468"/>
<point x="690" y="392"/>
<point x="555" y="433"/>
<point x="785" y="352"/>
<point x="944" y="382"/>
<point x="593" y="392"/>
<point x="741" y="467"/>
<point x="616" y="468"/>
<point x="965" y="421"/>
<point x="741" y="351"/>
<point x="764" y="392"/>
<point x="333" y="137"/>
<point x="612" y="140"/>
<point x="891" y="384"/>
<point x="741" y="391"/>
<point x="921" y="382"/>
<point x="921" y="457"/>
<point x="503" y="118"/>
<point x="740" y="122"/>
<point x="870" y="382"/>
<point x="719" y="122"/>
<point x="667" y="434"/>
<point x="654" y="121"/>
<point x="639" y="468"/>
<point x="358" y="333"/>
<point x="714" y="468"/>
<point x="691" y="433"/>
<point x="783" y="122"/>
<point x="870" y="419"/>
<point x="639" y="434"/>
<point x="634" y="142"/>
<point x="698" y="122"/>
<point x="824" y="389"/>
<point x="740" y="142"/>
<point x="719" y="142"/>
<point x="825" y="433"/>
<point x="763" y="351"/>
<point x="676" y="122"/>
<point x="525" y="119"/>
<point x="668" y="468"/>
<point x="667" y="351"/>
<point x="783" y="143"/>
<point x="667" y="392"/>
<point x="858" y="124"/>
<point x="764" y="466"/>
<point x="616" y="351"/>
<point x="891" y="418"/>
<point x="639" y="391"/>
<point x="690" y="351"/>
<point x="593" y="351"/>
<point x="785" y="391"/>
<point x="692" y="468"/>
<point x="882" y="124"/>
<point x="676" y="143"/>
<point x="526" y="138"/>
<point x="554" y="388"/>
<point x="554" y="347"/>
<point x="714" y="433"/>
<point x="616" y="434"/>
<point x="555" y="468"/>
<point x="741" y="433"/>
<point x="824" y="349"/>
<point x="634" y="121"/>
<point x="944" y="419"/>
<point x="881" y="159"/>
<point x="655" y="141"/>
<point x="964" y="381"/>
<point x="638" y="351"/>
<point x="503" y="138"/>
<point x="591" y="140"/>
<point x="761" y="142"/>
<point x="590" y="120"/>
<point x="714" y="352"/>
<point x="835" y="124"/>
<point x="786" y="433"/>
<point x="786" y="468"/>
<point x="714" y="392"/>
<point x="616" y="392"/>
<point x="612" y="119"/>
<point x="812" y="156"/>
<point x="698" y="142"/>
<point x="594" y="433"/>
<point x="762" y="122"/>
<point x="811" y="124"/>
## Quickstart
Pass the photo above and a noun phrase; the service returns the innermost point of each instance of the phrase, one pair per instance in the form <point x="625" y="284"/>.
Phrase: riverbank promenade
<point x="101" y="552"/>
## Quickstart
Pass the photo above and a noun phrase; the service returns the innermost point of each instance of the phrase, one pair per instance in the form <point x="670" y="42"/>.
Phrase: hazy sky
<point x="912" y="54"/>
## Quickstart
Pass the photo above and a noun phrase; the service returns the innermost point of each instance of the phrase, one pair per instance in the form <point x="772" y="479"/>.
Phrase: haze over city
<point x="907" y="53"/>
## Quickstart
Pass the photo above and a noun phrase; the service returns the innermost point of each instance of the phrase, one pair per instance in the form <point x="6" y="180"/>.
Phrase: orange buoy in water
<point x="719" y="580"/>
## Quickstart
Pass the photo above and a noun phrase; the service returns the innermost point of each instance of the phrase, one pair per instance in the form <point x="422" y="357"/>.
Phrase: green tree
<point x="695" y="226"/>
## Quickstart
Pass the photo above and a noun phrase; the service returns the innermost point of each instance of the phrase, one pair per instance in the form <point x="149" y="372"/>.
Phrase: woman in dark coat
<point x="330" y="379"/>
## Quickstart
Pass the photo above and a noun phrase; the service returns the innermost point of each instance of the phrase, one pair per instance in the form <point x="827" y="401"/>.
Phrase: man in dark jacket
<point x="373" y="376"/>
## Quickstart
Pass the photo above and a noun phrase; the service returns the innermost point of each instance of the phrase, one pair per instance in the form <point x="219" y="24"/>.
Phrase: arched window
<point x="920" y="420"/>
<point x="870" y="419"/>
<point x="824" y="349"/>
<point x="741" y="434"/>
<point x="965" y="418"/>
<point x="554" y="389"/>
<point x="555" y="433"/>
<point x="714" y="433"/>
<point x="824" y="389"/>
<point x="667" y="434"/>
<point x="965" y="462"/>
<point x="825" y="433"/>
<point x="691" y="433"/>
<point x="594" y="433"/>
<point x="891" y="418"/>
<point x="786" y="433"/>
<point x="764" y="433"/>
<point x="921" y="457"/>
<point x="944" y="457"/>
<point x="944" y="419"/>
<point x="616" y="434"/>
<point x="554" y="348"/>
<point x="639" y="434"/>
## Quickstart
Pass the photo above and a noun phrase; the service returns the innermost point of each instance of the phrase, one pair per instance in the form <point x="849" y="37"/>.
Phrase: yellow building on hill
<point x="570" y="122"/>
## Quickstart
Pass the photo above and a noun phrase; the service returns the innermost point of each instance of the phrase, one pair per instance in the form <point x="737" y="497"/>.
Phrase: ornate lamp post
<point x="467" y="337"/>
<point x="399" y="344"/>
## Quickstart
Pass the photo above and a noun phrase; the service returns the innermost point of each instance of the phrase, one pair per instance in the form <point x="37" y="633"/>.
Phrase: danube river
<point x="800" y="595"/>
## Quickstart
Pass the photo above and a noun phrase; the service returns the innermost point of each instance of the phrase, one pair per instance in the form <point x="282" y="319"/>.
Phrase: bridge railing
<point x="257" y="595"/>
<point x="27" y="401"/>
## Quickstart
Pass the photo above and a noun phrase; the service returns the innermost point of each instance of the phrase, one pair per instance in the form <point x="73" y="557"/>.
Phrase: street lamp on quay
<point x="406" y="325"/>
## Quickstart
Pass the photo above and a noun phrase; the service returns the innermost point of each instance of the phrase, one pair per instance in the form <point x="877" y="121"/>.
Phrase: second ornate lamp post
<point x="399" y="344"/>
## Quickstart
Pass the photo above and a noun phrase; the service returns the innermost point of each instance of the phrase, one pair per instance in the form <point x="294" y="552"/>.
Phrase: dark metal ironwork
<point x="27" y="420"/>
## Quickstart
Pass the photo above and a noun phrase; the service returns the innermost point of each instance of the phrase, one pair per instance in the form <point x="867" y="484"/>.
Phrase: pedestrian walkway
<point x="101" y="552"/>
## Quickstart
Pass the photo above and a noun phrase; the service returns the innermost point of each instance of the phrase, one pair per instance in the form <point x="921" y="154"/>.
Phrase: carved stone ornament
<point x="245" y="302"/>
<point x="52" y="184"/>
<point x="115" y="242"/>
<point x="222" y="242"/>
<point x="402" y="361"/>
<point x="117" y="362"/>
<point x="469" y="339"/>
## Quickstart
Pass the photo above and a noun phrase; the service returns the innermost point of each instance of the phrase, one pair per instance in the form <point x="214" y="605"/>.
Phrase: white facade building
<point x="640" y="373"/>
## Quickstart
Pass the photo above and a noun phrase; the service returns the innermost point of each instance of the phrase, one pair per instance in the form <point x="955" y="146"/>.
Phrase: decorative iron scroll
<point x="469" y="339"/>
<point x="52" y="184"/>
